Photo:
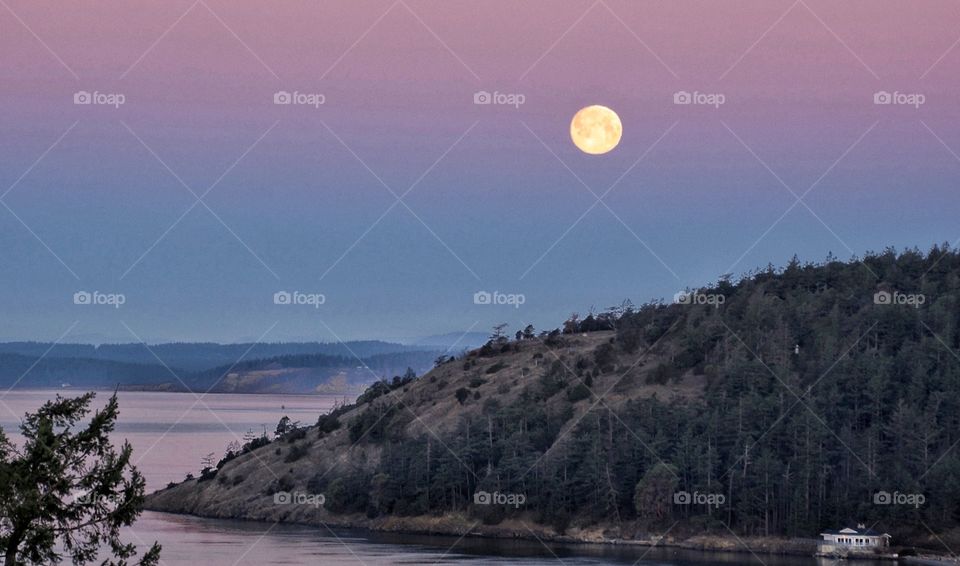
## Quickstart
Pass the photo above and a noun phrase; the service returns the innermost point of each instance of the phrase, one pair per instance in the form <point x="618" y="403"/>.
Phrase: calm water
<point x="171" y="432"/>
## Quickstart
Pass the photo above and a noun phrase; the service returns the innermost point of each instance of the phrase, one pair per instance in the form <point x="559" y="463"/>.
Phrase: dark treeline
<point x="821" y="386"/>
<point x="21" y="371"/>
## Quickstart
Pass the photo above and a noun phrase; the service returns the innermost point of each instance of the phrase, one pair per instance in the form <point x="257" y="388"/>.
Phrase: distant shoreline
<point x="125" y="389"/>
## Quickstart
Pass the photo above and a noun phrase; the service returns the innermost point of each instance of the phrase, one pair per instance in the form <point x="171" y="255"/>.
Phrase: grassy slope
<point x="431" y="399"/>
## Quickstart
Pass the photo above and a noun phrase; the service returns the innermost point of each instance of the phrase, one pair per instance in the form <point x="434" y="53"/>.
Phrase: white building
<point x="860" y="537"/>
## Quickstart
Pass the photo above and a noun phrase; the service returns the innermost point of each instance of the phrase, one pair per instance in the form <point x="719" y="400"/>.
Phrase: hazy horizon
<point x="92" y="340"/>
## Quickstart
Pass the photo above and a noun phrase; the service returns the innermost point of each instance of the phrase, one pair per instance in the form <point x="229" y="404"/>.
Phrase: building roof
<point x="860" y="531"/>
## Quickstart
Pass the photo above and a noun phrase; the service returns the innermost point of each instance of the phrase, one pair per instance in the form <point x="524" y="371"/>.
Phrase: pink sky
<point x="399" y="77"/>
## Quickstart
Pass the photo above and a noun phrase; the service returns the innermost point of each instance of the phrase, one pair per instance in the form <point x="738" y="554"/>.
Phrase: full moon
<point x="596" y="129"/>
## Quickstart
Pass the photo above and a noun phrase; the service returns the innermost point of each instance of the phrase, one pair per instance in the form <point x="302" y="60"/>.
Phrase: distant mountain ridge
<point x="307" y="367"/>
<point x="194" y="356"/>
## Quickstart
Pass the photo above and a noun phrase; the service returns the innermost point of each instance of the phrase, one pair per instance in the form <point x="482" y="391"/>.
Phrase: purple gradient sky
<point x="199" y="80"/>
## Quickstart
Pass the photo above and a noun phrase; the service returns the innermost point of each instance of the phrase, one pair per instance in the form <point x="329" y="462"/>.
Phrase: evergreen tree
<point x="66" y="493"/>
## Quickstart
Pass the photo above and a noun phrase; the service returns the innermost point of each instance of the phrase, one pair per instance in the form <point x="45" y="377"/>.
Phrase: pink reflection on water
<point x="171" y="432"/>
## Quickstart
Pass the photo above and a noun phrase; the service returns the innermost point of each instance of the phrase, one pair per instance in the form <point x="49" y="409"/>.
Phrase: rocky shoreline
<point x="460" y="525"/>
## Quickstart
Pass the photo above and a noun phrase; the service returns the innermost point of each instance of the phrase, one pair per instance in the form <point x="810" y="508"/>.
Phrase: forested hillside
<point x="781" y="404"/>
